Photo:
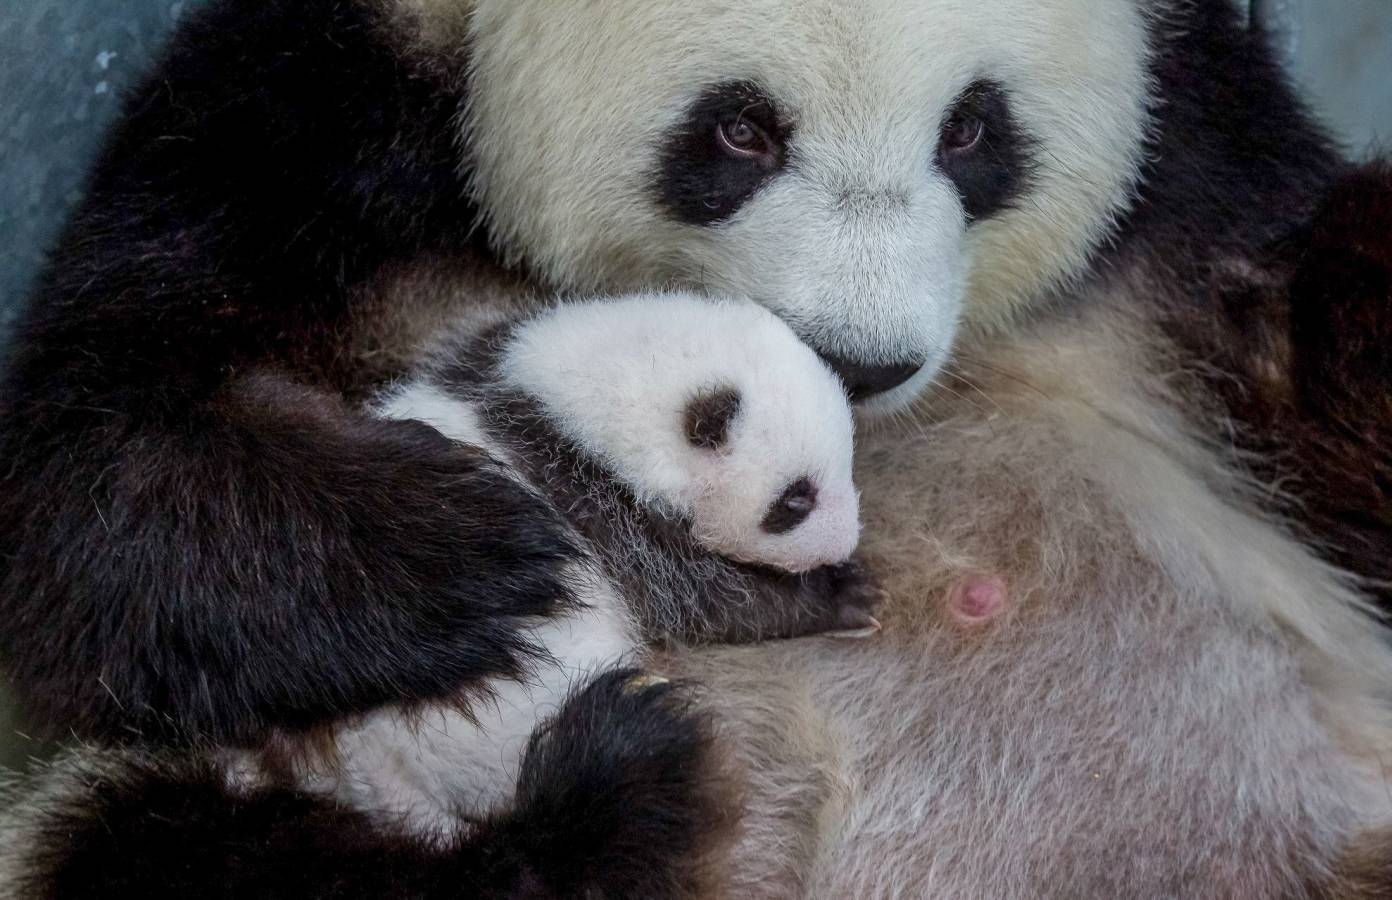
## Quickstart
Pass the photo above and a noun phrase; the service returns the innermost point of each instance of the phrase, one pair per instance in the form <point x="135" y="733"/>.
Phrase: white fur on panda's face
<point x="770" y="475"/>
<point x="587" y="130"/>
<point x="713" y="409"/>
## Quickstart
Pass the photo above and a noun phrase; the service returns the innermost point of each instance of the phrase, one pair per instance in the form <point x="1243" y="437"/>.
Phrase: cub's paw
<point x="623" y="789"/>
<point x="845" y="598"/>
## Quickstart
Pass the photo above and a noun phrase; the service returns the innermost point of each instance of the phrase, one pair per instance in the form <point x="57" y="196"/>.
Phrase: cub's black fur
<point x="617" y="797"/>
<point x="197" y="539"/>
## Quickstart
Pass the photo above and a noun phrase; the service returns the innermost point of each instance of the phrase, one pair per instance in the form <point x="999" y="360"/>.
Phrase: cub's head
<point x="874" y="172"/>
<point x="771" y="471"/>
<point x="714" y="411"/>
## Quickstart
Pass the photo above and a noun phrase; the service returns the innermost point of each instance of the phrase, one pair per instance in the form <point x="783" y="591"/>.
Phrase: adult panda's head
<point x="876" y="172"/>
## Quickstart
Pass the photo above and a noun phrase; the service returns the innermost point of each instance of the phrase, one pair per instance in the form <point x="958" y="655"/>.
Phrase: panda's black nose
<point x="864" y="381"/>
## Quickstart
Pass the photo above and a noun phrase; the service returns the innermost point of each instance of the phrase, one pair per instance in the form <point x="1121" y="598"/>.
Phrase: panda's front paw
<point x="843" y="599"/>
<point x="858" y="596"/>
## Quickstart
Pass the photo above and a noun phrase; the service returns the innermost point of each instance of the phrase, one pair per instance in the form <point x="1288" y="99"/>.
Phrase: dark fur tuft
<point x="1363" y="873"/>
<point x="1297" y="342"/>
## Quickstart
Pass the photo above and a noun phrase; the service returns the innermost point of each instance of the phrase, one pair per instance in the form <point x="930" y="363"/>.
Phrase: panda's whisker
<point x="1008" y="374"/>
<point x="974" y="387"/>
<point x="963" y="397"/>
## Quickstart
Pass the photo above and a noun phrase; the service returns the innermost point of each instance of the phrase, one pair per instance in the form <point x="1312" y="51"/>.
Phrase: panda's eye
<point x="731" y="142"/>
<point x="962" y="133"/>
<point x="743" y="139"/>
<point x="984" y="151"/>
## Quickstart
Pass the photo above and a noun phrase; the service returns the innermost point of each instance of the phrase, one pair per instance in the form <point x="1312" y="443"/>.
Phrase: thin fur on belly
<point x="1177" y="699"/>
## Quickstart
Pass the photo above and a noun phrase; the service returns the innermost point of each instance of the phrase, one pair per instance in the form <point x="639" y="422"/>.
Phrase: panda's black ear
<point x="708" y="417"/>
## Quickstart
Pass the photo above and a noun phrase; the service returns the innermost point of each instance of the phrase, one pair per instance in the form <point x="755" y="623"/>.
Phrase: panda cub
<point x="702" y="454"/>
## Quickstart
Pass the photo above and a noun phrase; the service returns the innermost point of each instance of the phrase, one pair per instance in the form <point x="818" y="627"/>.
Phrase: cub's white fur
<point x="425" y="401"/>
<point x="616" y="377"/>
<point x="424" y="769"/>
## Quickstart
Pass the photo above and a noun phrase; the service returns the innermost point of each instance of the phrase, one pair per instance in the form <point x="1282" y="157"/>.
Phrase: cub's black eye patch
<point x="730" y="144"/>
<point x="983" y="151"/>
<point x="791" y="508"/>
<point x="708" y="417"/>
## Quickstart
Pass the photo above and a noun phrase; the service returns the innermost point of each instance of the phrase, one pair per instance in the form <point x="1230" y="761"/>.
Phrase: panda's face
<point x="875" y="172"/>
<point x="768" y="471"/>
<point x="710" y="410"/>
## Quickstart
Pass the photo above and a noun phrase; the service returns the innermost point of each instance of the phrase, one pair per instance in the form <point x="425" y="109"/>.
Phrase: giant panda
<point x="1061" y="252"/>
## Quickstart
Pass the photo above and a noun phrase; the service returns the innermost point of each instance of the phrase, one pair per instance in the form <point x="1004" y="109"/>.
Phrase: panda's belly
<point x="1133" y="762"/>
<point x="1159" y="694"/>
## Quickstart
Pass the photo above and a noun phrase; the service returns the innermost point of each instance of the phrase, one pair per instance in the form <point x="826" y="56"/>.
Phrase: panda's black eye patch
<point x="708" y="417"/>
<point x="729" y="145"/>
<point x="983" y="151"/>
<point x="791" y="508"/>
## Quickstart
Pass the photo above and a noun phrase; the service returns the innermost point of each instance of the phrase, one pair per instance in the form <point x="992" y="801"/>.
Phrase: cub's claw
<point x="850" y="596"/>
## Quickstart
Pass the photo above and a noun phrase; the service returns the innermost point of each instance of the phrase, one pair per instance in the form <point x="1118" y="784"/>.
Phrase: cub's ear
<point x="708" y="417"/>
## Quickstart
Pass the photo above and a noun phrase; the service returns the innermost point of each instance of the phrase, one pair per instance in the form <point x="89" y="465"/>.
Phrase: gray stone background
<point x="64" y="63"/>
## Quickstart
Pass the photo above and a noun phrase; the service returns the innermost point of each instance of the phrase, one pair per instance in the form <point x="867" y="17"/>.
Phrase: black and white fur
<point x="701" y="454"/>
<point x="1043" y="205"/>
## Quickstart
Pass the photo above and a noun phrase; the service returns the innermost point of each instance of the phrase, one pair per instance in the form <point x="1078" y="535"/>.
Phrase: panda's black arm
<point x="190" y="545"/>
<point x="616" y="799"/>
<point x="269" y="559"/>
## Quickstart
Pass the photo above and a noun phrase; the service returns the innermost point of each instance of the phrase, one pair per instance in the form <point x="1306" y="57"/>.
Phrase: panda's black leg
<point x="619" y="797"/>
<point x="1341" y="331"/>
<point x="198" y="535"/>
<point x="840" y="600"/>
<point x="1301" y="352"/>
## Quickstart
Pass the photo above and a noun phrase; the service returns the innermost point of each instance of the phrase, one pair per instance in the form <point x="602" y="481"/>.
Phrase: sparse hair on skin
<point x="1092" y="258"/>
<point x="1166" y="648"/>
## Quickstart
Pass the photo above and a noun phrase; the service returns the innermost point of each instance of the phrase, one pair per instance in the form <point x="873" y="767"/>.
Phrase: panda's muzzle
<point x="864" y="381"/>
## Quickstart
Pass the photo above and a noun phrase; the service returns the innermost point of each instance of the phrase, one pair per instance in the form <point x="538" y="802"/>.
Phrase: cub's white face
<point x="875" y="172"/>
<point x="714" y="410"/>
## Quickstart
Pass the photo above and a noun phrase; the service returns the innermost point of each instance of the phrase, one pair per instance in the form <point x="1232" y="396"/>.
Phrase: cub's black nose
<point x="864" y="381"/>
